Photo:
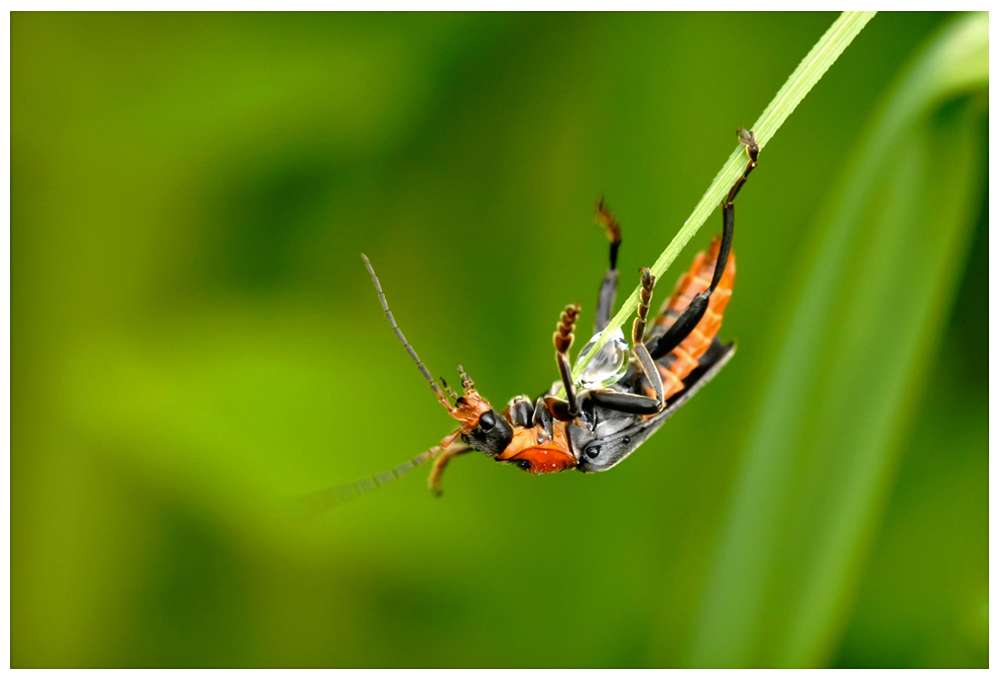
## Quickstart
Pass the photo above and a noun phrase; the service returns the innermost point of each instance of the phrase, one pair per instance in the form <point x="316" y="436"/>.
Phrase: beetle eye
<point x="524" y="464"/>
<point x="593" y="451"/>
<point x="626" y="439"/>
<point x="487" y="422"/>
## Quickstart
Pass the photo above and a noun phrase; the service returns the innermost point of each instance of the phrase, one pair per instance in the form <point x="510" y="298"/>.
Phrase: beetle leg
<point x="609" y="286"/>
<point x="639" y="330"/>
<point x="625" y="402"/>
<point x="441" y="462"/>
<point x="692" y="314"/>
<point x="689" y="318"/>
<point x="521" y="411"/>
<point x="563" y="340"/>
<point x="748" y="139"/>
<point x="542" y="417"/>
<point x="559" y="408"/>
<point x="637" y="404"/>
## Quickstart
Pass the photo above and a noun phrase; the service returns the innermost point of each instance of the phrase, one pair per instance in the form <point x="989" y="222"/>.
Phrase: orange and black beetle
<point x="620" y="398"/>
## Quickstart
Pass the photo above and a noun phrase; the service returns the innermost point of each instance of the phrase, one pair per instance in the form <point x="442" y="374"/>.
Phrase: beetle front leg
<point x="637" y="404"/>
<point x="563" y="340"/>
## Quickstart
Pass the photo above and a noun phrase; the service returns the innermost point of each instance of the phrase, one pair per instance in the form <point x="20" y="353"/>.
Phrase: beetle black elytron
<point x="620" y="398"/>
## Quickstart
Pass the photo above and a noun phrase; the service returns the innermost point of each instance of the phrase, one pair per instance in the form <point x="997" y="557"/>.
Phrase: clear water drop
<point x="608" y="365"/>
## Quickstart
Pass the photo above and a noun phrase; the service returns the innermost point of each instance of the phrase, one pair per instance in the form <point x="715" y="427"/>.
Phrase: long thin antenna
<point x="310" y="505"/>
<point x="402" y="338"/>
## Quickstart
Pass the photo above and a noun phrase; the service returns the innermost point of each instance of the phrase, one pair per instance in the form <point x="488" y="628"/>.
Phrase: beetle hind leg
<point x="609" y="286"/>
<point x="693" y="313"/>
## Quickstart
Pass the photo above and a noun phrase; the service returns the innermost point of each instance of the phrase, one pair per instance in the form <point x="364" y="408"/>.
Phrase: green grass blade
<point x="822" y="451"/>
<point x="806" y="75"/>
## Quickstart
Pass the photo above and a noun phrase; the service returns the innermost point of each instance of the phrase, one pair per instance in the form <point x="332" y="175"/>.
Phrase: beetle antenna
<point x="313" y="504"/>
<point x="402" y="338"/>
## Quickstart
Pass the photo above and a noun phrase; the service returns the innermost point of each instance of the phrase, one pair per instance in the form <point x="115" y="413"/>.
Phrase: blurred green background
<point x="195" y="339"/>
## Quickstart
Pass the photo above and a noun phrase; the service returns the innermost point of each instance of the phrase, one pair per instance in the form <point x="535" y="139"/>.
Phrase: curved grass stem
<point x="806" y="75"/>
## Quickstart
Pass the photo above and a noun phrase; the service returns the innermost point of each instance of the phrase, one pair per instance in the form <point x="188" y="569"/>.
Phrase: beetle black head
<point x="491" y="435"/>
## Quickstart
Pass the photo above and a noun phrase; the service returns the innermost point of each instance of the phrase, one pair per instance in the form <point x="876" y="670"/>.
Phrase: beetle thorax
<point x="533" y="451"/>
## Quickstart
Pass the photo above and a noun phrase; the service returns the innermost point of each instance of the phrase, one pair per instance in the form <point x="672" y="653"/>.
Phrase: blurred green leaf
<point x="823" y="450"/>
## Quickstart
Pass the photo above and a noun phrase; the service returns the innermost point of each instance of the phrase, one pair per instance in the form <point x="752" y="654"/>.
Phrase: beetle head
<point x="491" y="435"/>
<point x="482" y="428"/>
